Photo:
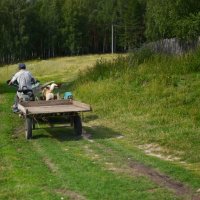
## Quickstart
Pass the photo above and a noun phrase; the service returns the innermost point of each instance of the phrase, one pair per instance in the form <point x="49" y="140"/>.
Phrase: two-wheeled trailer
<point x="34" y="111"/>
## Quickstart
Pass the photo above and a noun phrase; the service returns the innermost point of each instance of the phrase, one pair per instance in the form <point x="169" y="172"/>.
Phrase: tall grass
<point x="57" y="69"/>
<point x="152" y="98"/>
<point x="148" y="62"/>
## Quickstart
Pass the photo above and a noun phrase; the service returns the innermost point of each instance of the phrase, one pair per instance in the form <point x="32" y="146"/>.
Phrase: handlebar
<point x="15" y="83"/>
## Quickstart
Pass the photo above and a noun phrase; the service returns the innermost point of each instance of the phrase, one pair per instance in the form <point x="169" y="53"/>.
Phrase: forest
<point x="40" y="29"/>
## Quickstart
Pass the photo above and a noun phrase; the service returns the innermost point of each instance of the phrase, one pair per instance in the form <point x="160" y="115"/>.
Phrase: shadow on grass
<point x="89" y="118"/>
<point x="4" y="88"/>
<point x="102" y="132"/>
<point x="67" y="133"/>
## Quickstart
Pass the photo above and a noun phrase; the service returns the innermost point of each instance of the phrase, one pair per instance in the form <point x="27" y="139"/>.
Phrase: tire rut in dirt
<point x="164" y="181"/>
<point x="161" y="179"/>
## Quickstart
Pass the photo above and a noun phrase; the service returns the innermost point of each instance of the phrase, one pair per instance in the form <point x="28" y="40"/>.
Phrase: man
<point x="24" y="79"/>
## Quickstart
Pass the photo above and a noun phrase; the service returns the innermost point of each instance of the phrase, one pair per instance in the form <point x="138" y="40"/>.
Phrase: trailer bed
<point x="53" y="106"/>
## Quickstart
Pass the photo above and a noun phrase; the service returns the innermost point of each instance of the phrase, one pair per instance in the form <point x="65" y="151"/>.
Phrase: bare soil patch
<point x="50" y="165"/>
<point x="164" y="181"/>
<point x="159" y="152"/>
<point x="70" y="194"/>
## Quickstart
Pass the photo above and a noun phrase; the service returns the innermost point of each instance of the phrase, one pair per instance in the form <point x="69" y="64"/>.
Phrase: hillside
<point x="144" y="131"/>
<point x="152" y="99"/>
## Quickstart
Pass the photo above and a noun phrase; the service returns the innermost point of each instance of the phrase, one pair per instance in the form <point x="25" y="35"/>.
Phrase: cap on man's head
<point x="22" y="66"/>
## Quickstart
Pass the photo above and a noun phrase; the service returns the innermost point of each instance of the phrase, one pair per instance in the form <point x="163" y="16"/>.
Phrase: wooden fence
<point x="173" y="46"/>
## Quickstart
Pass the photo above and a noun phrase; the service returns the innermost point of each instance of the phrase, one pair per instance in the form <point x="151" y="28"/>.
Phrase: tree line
<point x="49" y="28"/>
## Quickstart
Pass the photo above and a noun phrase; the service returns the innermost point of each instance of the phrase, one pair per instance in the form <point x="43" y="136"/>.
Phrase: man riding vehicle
<point x="24" y="81"/>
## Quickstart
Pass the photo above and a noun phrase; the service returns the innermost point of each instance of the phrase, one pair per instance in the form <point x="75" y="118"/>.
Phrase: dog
<point x="47" y="92"/>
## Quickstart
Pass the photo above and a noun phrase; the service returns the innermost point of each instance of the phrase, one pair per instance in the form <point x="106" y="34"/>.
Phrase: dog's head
<point x="52" y="86"/>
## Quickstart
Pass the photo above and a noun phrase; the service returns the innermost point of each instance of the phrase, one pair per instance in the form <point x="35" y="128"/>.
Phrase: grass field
<point x="144" y="127"/>
<point x="58" y="69"/>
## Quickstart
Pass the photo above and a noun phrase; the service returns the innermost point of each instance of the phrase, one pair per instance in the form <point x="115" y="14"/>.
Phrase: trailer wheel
<point x="71" y="121"/>
<point x="77" y="125"/>
<point x="33" y="122"/>
<point x="28" y="128"/>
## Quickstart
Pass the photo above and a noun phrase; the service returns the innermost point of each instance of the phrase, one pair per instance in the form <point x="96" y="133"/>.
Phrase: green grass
<point x="136" y="101"/>
<point x="54" y="166"/>
<point x="155" y="101"/>
<point x="58" y="69"/>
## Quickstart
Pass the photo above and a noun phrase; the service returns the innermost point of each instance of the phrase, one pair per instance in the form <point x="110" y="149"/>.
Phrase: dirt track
<point x="164" y="181"/>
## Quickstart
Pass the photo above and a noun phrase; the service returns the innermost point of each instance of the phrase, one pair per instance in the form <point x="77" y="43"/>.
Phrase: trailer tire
<point x="33" y="122"/>
<point x="28" y="128"/>
<point x="71" y="121"/>
<point x="77" y="125"/>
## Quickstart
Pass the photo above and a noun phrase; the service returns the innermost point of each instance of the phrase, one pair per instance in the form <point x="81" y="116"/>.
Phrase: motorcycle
<point x="25" y="94"/>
